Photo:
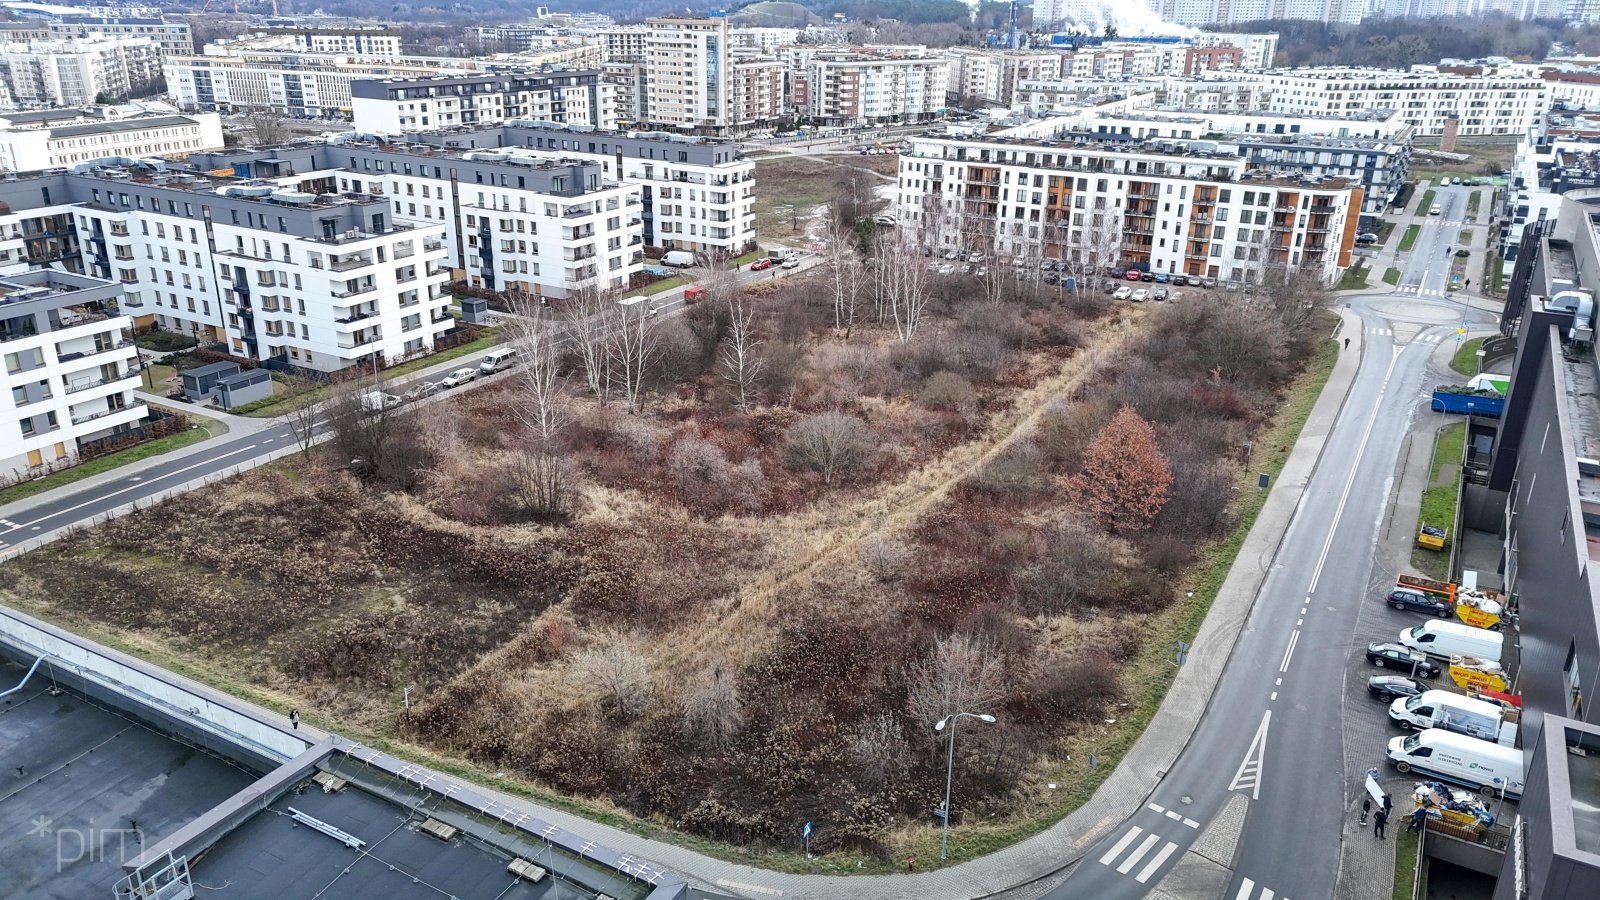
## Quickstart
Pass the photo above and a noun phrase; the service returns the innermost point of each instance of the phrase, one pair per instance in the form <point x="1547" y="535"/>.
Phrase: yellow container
<point x="1480" y="678"/>
<point x="1430" y="541"/>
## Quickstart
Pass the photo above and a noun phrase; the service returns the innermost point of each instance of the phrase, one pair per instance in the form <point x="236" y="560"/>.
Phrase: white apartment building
<point x="70" y="367"/>
<point x="856" y="88"/>
<point x="696" y="193"/>
<point x="551" y="93"/>
<point x="630" y="91"/>
<point x="765" y="40"/>
<point x="1100" y="204"/>
<point x="292" y="84"/>
<point x="625" y="42"/>
<point x="1258" y="50"/>
<point x="992" y="76"/>
<point x="383" y="43"/>
<point x="1485" y="100"/>
<point x="1200" y="13"/>
<point x="171" y="38"/>
<point x="69" y="142"/>
<point x="75" y="73"/>
<point x="688" y="62"/>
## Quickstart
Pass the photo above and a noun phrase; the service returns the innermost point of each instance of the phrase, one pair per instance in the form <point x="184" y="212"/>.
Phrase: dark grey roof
<point x="120" y="126"/>
<point x="43" y="115"/>
<point x="216" y="368"/>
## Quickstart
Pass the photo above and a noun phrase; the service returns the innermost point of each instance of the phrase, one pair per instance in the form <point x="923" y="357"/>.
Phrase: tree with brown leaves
<point x="1125" y="479"/>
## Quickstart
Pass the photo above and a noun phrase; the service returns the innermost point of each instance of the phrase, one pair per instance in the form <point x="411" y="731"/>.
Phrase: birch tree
<point x="847" y="276"/>
<point x="589" y="323"/>
<point x="633" y="347"/>
<point x="542" y="404"/>
<point x="905" y="277"/>
<point x="739" y="358"/>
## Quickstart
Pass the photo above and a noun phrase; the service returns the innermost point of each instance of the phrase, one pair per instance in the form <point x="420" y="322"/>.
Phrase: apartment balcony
<point x="358" y="315"/>
<point x="431" y="245"/>
<point x="101" y="414"/>
<point x="577" y="212"/>
<point x="349" y="263"/>
<point x="403" y="251"/>
<point x="1286" y="209"/>
<point x="78" y="387"/>
<point x="441" y="315"/>
<point x="95" y="351"/>
<point x="355" y="291"/>
<point x="578" y="255"/>
<point x="1322" y="207"/>
<point x="433" y="268"/>
<point x="360" y="339"/>
<point x="577" y="233"/>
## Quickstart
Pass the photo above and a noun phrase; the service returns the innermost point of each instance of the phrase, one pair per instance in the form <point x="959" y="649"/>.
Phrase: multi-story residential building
<point x="70" y="140"/>
<point x="269" y="269"/>
<point x="630" y="91"/>
<point x="755" y="91"/>
<point x="1534" y="493"/>
<point x="512" y="219"/>
<point x="688" y="63"/>
<point x="311" y="86"/>
<point x="383" y="43"/>
<point x="991" y="76"/>
<point x="855" y="87"/>
<point x="70" y="368"/>
<point x="1485" y="100"/>
<point x="1200" y="13"/>
<point x="765" y="40"/>
<point x="554" y="94"/>
<point x="696" y="193"/>
<point x="626" y="42"/>
<point x="80" y="72"/>
<point x="1154" y="205"/>
<point x="171" y="38"/>
<point x="1257" y="51"/>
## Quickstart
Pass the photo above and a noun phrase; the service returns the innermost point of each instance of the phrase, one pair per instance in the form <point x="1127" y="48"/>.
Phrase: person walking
<point x="1347" y="343"/>
<point x="1379" y="819"/>
<point x="294" y="718"/>
<point x="1366" y="810"/>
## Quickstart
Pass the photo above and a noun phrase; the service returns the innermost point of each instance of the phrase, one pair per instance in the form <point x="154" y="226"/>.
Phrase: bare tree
<point x="617" y="673"/>
<point x="540" y="398"/>
<point x="304" y="418"/>
<point x="268" y="126"/>
<point x="878" y="751"/>
<point x="590" y="319"/>
<point x="848" y="276"/>
<point x="739" y="359"/>
<point x="831" y="443"/>
<point x="905" y="276"/>
<point x="960" y="673"/>
<point x="546" y="485"/>
<point x="633" y="347"/>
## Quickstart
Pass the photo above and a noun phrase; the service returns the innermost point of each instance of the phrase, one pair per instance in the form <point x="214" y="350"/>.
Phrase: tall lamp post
<point x="950" y="769"/>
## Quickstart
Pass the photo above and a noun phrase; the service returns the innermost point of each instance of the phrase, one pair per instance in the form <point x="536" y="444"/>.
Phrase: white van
<point x="678" y="259"/>
<point x="1458" y="758"/>
<point x="497" y="360"/>
<point x="1446" y="639"/>
<point x="1452" y="712"/>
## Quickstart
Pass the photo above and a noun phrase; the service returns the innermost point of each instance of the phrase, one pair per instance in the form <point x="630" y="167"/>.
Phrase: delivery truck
<point x="1484" y="767"/>
<point x="678" y="259"/>
<point x="1451" y="712"/>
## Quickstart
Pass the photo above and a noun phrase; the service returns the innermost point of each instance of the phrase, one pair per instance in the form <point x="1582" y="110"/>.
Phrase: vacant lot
<point x="760" y="592"/>
<point x="791" y="190"/>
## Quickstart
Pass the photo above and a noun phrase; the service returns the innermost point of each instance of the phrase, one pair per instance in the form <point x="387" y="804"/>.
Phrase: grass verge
<point x="1385" y="228"/>
<point x="1409" y="237"/>
<point x="1149" y="677"/>
<point x="1354" y="278"/>
<point x="207" y="428"/>
<point x="1427" y="202"/>
<point x="1466" y="359"/>
<point x="1406" y="847"/>
<point x="1472" y="205"/>
<point x="1464" y="238"/>
<point x="665" y="284"/>
<point x="277" y="405"/>
<point x="1439" y="500"/>
<point x="1391" y="275"/>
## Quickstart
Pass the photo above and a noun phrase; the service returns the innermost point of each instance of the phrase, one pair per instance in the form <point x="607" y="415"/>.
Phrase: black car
<point x="1388" y="688"/>
<point x="1147" y="276"/>
<point x="1109" y="286"/>
<point x="1416" y="601"/>
<point x="1394" y="656"/>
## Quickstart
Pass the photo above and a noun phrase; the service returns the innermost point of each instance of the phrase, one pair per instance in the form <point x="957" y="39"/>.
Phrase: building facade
<point x="87" y="138"/>
<point x="171" y="38"/>
<point x="859" y="88"/>
<point x="292" y="84"/>
<point x="755" y="92"/>
<point x="553" y="94"/>
<point x="1151" y="206"/>
<point x="688" y="64"/>
<point x="80" y="72"/>
<point x="70" y="366"/>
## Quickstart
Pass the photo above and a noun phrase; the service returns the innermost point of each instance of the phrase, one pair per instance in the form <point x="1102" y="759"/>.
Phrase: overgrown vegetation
<point x="1465" y="360"/>
<point x="725" y="570"/>
<point x="1439" y="498"/>
<point x="1409" y="238"/>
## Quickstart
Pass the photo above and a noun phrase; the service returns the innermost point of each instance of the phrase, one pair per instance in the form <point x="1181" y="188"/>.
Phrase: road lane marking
<point x="1156" y="806"/>
<point x="1155" y="863"/>
<point x="104" y="497"/>
<point x="1138" y="853"/>
<point x="1248" y="775"/>
<point x="1355" y="468"/>
<point x="1299" y="622"/>
<point x="1191" y="823"/>
<point x="1266" y="894"/>
<point x="1274" y="695"/>
<point x="1288" y="652"/>
<point x="1120" y="845"/>
<point x="1174" y="816"/>
<point x="1245" y="889"/>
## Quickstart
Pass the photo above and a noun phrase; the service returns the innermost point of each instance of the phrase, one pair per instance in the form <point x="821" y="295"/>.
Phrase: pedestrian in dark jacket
<point x="1379" y="819"/>
<point x="1366" y="810"/>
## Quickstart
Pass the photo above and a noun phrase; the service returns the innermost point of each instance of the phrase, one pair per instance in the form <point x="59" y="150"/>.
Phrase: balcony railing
<point x="101" y="381"/>
<point x="83" y="354"/>
<point x="402" y="252"/>
<point x="134" y="404"/>
<point x="357" y="316"/>
<point x="349" y="263"/>
<point x="355" y="291"/>
<point x="431" y="244"/>
<point x="359" y="341"/>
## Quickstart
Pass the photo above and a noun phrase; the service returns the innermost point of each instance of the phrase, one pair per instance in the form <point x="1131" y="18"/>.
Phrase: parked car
<point x="887" y="221"/>
<point x="375" y="401"/>
<point x="1208" y="282"/>
<point x="1122" y="293"/>
<point x="1394" y="656"/>
<point x="1406" y="599"/>
<point x="1160" y="293"/>
<point x="1116" y="271"/>
<point x="1147" y="277"/>
<point x="952" y="254"/>
<point x="1049" y="265"/>
<point x="946" y="269"/>
<point x="1455" y="181"/>
<point x="1132" y="275"/>
<point x="975" y="256"/>
<point x="1140" y="296"/>
<point x="1163" y="278"/>
<point x="1435" y="210"/>
<point x="458" y="378"/>
<point x="420" y="390"/>
<point x="1390" y="688"/>
<point x="1109" y="286"/>
<point x="1370" y="237"/>
<point x="762" y="264"/>
<point x="1051" y="278"/>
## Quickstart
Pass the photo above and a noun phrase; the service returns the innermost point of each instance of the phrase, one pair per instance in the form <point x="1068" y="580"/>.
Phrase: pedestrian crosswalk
<point x="1142" y="842"/>
<point x="1421" y="339"/>
<point x="1248" y="891"/>
<point x="1418" y="291"/>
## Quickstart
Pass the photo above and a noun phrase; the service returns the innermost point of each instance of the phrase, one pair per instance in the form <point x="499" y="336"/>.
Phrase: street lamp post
<point x="950" y="769"/>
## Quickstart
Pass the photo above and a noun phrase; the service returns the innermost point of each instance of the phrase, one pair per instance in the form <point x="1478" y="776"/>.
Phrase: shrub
<point x="948" y="392"/>
<point x="1076" y="689"/>
<point x="1017" y="472"/>
<point x="1078" y="566"/>
<point x="706" y="479"/>
<point x="1065" y="430"/>
<point x="1125" y="479"/>
<point x="832" y="444"/>
<point x="617" y="675"/>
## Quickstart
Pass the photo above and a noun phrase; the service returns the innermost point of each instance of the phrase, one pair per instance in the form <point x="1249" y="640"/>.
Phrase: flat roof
<point x="120" y="126"/>
<point x="1583" y="776"/>
<point x="78" y="777"/>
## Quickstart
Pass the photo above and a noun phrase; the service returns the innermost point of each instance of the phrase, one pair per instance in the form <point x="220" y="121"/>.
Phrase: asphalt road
<point x="1427" y="268"/>
<point x="1272" y="732"/>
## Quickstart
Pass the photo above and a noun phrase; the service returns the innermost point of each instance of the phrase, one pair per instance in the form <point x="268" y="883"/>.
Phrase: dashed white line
<point x="1288" y="652"/>
<point x="1191" y="823"/>
<point x="1174" y="816"/>
<point x="1274" y="695"/>
<point x="1156" y="807"/>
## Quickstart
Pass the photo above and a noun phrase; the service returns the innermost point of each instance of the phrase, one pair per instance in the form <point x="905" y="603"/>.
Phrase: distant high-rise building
<point x="1200" y="13"/>
<point x="687" y="61"/>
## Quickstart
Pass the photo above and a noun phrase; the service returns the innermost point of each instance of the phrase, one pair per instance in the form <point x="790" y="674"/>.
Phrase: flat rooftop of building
<point x="83" y="789"/>
<point x="1583" y="774"/>
<point x="120" y="126"/>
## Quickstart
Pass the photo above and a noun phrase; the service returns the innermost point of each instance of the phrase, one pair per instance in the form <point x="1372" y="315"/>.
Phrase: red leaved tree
<point x="1124" y="480"/>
